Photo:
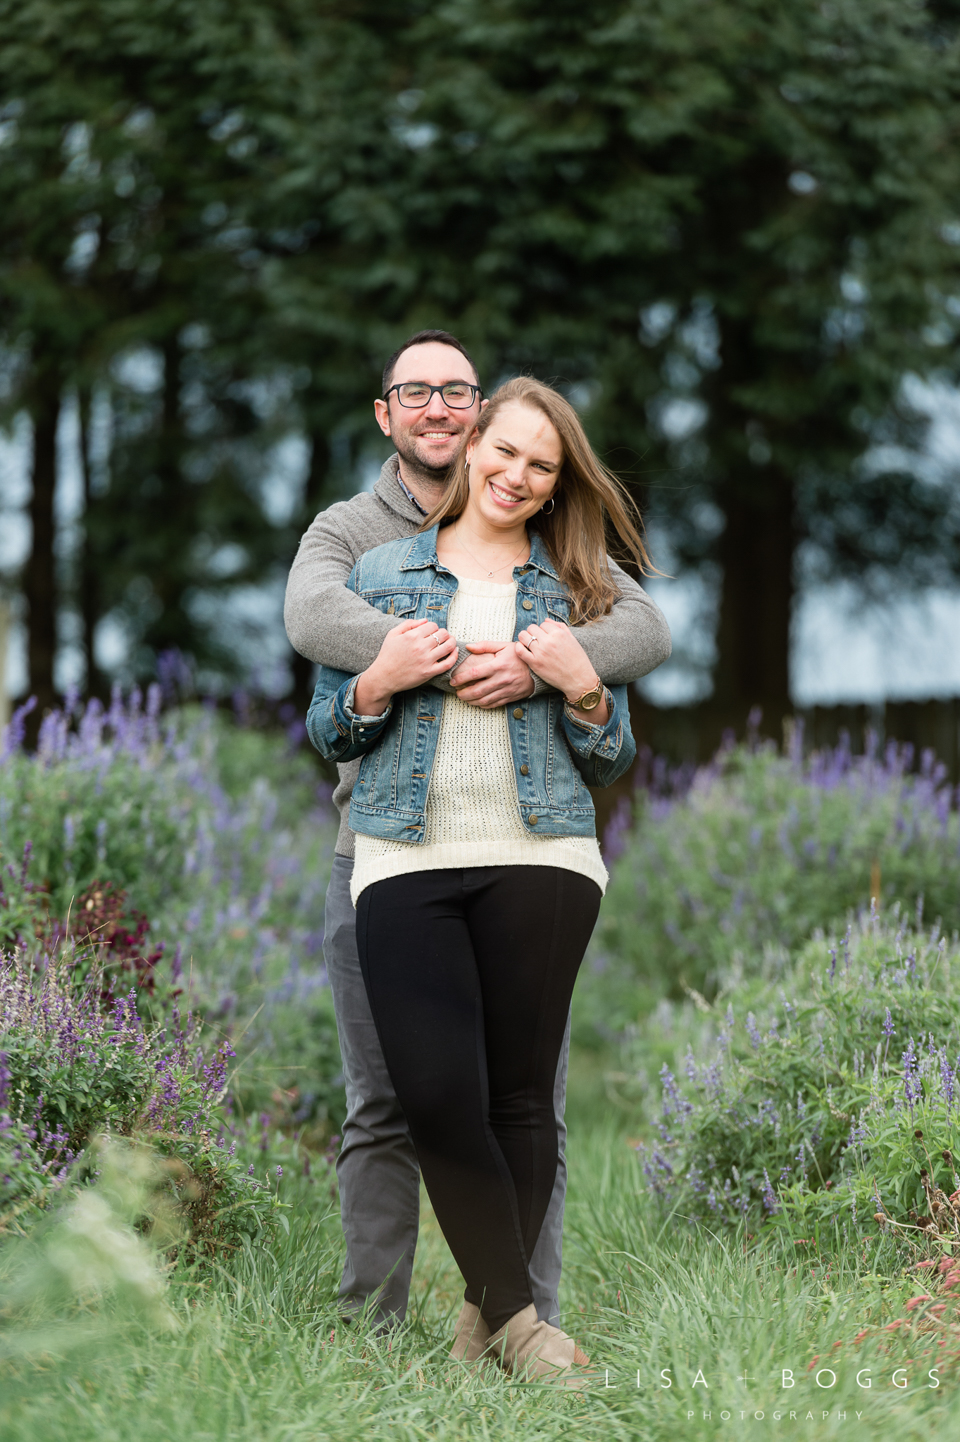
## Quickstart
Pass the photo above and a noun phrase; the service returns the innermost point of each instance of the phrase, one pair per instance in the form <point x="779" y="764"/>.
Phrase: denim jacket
<point x="555" y="755"/>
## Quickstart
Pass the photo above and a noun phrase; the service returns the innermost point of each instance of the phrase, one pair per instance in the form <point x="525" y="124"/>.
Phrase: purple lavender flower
<point x="912" y="1085"/>
<point x="16" y="729"/>
<point x="769" y="1195"/>
<point x="948" y="1079"/>
<point x="712" y="1082"/>
<point x="617" y="831"/>
<point x="753" y="1031"/>
<point x="672" y="1099"/>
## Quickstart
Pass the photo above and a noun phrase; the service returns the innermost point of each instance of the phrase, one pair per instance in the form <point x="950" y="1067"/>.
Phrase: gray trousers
<point x="377" y="1168"/>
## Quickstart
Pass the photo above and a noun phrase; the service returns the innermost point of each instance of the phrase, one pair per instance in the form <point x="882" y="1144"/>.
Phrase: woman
<point x="478" y="877"/>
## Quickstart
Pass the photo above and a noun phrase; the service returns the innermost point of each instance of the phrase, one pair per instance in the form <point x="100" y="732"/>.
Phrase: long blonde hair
<point x="586" y="496"/>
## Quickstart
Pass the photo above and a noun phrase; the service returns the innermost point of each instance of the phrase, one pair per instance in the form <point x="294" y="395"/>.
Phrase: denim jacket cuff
<point x="589" y="737"/>
<point x="349" y="702"/>
<point x="346" y="720"/>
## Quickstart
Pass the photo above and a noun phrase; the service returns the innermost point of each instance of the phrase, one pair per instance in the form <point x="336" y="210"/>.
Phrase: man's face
<point x="428" y="437"/>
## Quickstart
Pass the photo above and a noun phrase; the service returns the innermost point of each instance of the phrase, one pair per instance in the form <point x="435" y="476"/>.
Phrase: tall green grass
<point x="258" y="1353"/>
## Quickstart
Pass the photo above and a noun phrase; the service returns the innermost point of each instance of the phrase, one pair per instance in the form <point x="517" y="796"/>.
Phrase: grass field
<point x="260" y="1354"/>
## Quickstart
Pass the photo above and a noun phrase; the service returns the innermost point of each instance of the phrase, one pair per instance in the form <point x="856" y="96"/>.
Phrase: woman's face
<point x="514" y="466"/>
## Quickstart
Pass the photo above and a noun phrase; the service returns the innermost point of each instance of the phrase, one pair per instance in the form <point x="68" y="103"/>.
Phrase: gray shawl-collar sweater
<point x="333" y="627"/>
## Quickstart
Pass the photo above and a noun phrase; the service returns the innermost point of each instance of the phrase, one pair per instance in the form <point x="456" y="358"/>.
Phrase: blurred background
<point x="730" y="233"/>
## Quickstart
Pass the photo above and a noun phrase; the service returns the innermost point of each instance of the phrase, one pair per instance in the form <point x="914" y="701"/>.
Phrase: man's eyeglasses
<point x="456" y="394"/>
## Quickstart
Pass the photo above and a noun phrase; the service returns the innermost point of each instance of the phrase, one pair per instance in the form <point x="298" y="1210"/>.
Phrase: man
<point x="431" y="400"/>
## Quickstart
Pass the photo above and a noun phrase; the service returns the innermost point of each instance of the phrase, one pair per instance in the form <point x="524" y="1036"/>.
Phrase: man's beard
<point x="420" y="467"/>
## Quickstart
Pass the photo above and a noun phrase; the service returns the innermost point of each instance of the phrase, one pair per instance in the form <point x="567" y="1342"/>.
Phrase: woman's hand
<point x="412" y="653"/>
<point x="554" y="653"/>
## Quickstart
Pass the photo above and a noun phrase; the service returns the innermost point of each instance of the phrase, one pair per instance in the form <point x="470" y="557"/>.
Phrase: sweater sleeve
<point x="327" y="622"/>
<point x="632" y="640"/>
<point x="624" y="645"/>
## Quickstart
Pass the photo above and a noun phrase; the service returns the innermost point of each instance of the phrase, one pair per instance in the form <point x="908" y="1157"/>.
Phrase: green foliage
<point x="820" y="1096"/>
<point x="214" y="222"/>
<point x="69" y="1073"/>
<point x="132" y="143"/>
<point x="137" y="828"/>
<point x="761" y="850"/>
<point x="291" y="1069"/>
<point x="90" y="1255"/>
<point x="220" y="836"/>
<point x="219" y="832"/>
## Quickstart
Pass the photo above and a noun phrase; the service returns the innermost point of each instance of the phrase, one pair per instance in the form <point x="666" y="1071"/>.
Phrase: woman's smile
<point x="505" y="497"/>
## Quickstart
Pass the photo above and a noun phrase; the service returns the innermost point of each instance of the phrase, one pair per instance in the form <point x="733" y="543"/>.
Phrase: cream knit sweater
<point x="472" y="815"/>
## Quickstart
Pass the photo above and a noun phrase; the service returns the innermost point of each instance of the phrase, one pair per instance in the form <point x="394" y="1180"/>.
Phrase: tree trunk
<point x="302" y="668"/>
<point x="39" y="579"/>
<point x="88" y="577"/>
<point x="753" y="631"/>
<point x="168" y="507"/>
<point x="756" y="547"/>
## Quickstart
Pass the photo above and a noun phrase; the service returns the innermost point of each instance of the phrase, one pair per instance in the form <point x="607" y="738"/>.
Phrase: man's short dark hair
<point x="425" y="337"/>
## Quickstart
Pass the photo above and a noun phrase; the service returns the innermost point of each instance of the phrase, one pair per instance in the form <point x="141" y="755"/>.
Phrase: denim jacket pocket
<point x="402" y="604"/>
<point x="558" y="608"/>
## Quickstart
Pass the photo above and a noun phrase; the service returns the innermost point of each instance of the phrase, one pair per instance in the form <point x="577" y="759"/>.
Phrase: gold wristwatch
<point x="590" y="700"/>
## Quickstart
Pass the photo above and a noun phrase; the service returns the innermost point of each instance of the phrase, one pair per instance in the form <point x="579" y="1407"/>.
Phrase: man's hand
<point x="494" y="676"/>
<point x="412" y="653"/>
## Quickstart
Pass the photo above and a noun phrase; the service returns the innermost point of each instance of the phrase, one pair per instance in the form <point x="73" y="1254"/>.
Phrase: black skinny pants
<point x="470" y="975"/>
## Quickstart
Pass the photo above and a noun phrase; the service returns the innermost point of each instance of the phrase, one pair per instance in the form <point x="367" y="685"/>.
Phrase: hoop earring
<point x="552" y="504"/>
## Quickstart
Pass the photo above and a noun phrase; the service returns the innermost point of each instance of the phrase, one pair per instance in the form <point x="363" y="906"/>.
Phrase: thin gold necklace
<point x="456" y="531"/>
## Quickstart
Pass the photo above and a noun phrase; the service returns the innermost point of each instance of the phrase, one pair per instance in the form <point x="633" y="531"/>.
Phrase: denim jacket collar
<point x="423" y="553"/>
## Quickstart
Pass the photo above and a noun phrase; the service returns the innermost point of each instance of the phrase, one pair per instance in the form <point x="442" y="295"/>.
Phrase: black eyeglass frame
<point x="475" y="392"/>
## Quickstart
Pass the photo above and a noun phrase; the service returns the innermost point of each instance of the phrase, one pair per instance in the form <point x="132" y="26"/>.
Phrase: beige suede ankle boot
<point x="470" y="1335"/>
<point x="529" y="1348"/>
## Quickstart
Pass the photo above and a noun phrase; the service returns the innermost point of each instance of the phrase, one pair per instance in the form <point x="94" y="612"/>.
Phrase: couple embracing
<point x="475" y="644"/>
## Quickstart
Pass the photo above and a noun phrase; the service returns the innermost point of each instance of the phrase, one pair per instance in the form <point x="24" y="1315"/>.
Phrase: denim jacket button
<point x="527" y="605"/>
<point x="518" y="713"/>
<point x="524" y="769"/>
<point x="533" y="820"/>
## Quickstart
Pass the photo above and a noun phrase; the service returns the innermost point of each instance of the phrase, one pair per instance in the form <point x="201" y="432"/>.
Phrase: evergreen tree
<point x="749" y="207"/>
<point x="730" y="230"/>
<point x="135" y="139"/>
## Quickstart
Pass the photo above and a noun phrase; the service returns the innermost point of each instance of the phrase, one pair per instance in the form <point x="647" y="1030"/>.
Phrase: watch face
<point x="590" y="700"/>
